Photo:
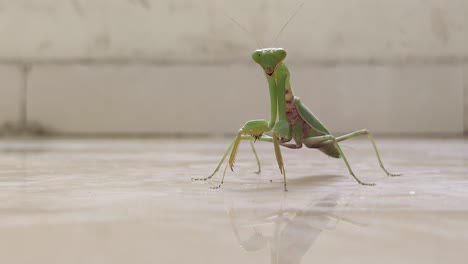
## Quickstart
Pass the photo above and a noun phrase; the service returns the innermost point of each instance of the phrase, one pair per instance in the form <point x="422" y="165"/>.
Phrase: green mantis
<point x="290" y="120"/>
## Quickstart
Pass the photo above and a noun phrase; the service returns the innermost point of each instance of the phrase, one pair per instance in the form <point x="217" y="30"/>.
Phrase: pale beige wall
<point x="466" y="100"/>
<point x="10" y="98"/>
<point x="179" y="66"/>
<point x="187" y="30"/>
<point x="219" y="99"/>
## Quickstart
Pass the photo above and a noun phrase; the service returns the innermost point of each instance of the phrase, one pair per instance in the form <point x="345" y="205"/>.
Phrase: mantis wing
<point x="309" y="117"/>
<point x="317" y="127"/>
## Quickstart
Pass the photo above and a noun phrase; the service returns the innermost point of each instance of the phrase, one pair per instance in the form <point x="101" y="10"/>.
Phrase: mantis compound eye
<point x="281" y="54"/>
<point x="256" y="56"/>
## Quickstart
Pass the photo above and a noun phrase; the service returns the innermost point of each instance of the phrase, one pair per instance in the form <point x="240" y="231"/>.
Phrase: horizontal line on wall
<point x="409" y="60"/>
<point x="149" y="135"/>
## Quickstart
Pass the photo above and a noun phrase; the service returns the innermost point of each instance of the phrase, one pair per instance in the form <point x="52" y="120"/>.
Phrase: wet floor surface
<point x="133" y="201"/>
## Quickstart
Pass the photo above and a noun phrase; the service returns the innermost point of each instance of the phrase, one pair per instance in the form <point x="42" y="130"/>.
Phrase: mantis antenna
<point x="239" y="25"/>
<point x="287" y="22"/>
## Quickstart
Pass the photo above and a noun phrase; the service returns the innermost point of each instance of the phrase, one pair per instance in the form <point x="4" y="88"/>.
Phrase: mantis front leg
<point x="255" y="129"/>
<point x="224" y="158"/>
<point x="277" y="85"/>
<point x="279" y="159"/>
<point x="252" y="130"/>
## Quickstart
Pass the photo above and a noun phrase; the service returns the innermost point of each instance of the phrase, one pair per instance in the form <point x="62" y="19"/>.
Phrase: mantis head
<point x="269" y="58"/>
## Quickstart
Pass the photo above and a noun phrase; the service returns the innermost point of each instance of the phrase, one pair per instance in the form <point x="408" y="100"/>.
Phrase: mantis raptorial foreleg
<point x="224" y="158"/>
<point x="279" y="159"/>
<point x="276" y="145"/>
<point x="233" y="152"/>
<point x="371" y="138"/>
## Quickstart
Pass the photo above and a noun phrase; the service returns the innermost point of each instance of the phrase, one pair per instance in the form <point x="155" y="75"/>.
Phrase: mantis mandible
<point x="290" y="120"/>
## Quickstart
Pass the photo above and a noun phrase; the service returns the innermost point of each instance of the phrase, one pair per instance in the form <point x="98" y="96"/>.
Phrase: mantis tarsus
<point x="290" y="120"/>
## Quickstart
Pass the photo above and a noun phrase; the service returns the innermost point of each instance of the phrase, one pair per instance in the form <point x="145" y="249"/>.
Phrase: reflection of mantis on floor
<point x="294" y="230"/>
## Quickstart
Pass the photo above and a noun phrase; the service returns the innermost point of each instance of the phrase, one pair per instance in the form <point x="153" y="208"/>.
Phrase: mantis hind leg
<point x="334" y="141"/>
<point x="371" y="138"/>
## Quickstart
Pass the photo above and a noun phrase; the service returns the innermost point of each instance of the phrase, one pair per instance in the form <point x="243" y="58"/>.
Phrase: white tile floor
<point x="132" y="201"/>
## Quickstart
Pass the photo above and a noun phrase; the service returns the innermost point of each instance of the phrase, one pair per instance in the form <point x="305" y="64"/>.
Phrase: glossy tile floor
<point x="133" y="201"/>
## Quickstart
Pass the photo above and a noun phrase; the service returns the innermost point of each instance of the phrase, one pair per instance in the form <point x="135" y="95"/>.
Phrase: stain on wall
<point x="78" y="7"/>
<point x="337" y="40"/>
<point x="465" y="113"/>
<point x="439" y="25"/>
<point x="44" y="45"/>
<point x="99" y="44"/>
<point x="145" y="4"/>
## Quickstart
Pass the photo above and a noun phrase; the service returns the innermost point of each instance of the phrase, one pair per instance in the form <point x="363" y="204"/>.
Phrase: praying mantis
<point x="290" y="120"/>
